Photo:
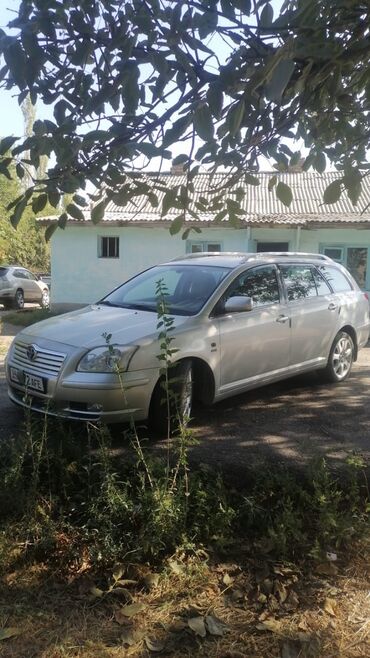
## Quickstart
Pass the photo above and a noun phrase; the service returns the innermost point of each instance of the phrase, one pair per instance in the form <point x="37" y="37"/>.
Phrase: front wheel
<point x="19" y="299"/>
<point x="45" y="299"/>
<point x="169" y="409"/>
<point x="340" y="358"/>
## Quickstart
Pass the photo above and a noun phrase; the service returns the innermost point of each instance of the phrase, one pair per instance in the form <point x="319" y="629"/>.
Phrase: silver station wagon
<point x="240" y="320"/>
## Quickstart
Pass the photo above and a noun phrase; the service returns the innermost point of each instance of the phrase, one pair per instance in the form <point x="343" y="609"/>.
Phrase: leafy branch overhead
<point x="226" y="81"/>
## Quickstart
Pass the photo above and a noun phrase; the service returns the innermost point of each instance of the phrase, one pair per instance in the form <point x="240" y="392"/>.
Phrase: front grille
<point x="45" y="361"/>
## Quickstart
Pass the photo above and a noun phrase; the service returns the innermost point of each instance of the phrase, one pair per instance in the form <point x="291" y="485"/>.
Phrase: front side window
<point x="259" y="283"/>
<point x="108" y="247"/>
<point x="299" y="281"/>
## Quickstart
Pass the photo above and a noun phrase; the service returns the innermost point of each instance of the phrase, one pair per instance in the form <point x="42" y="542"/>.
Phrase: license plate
<point x="34" y="382"/>
<point x="27" y="380"/>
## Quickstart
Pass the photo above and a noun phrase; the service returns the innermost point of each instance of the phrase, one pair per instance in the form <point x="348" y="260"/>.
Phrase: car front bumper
<point x="73" y="395"/>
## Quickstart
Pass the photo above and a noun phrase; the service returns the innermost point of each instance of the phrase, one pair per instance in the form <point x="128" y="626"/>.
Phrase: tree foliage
<point x="25" y="246"/>
<point x="227" y="80"/>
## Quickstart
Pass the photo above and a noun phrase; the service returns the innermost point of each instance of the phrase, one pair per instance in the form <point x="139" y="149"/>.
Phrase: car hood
<point x="85" y="327"/>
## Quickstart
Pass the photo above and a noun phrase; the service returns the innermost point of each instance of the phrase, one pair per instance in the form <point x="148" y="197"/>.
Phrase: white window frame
<point x="204" y="244"/>
<point x="115" y="251"/>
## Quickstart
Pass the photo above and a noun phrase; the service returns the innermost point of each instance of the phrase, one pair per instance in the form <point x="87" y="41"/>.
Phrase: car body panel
<point x="241" y="350"/>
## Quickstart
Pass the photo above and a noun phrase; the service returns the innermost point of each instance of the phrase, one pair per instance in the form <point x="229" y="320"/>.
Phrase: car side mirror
<point x="238" y="304"/>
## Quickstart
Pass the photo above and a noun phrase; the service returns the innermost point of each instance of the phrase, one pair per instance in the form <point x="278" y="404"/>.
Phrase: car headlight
<point x="115" y="358"/>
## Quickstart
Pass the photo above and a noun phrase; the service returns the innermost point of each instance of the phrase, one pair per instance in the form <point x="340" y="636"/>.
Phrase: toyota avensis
<point x="239" y="321"/>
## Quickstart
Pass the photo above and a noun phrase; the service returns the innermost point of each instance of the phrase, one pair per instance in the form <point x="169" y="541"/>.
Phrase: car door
<point x="22" y="282"/>
<point x="254" y="344"/>
<point x="313" y="311"/>
<point x="33" y="287"/>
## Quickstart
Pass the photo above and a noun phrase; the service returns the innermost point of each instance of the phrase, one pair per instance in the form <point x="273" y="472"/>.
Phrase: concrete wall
<point x="79" y="277"/>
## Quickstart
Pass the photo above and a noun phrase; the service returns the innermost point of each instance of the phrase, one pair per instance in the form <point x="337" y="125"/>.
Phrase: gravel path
<point x="287" y="422"/>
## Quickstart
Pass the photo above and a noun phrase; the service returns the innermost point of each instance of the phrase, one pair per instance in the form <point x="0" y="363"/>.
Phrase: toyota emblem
<point x="32" y="352"/>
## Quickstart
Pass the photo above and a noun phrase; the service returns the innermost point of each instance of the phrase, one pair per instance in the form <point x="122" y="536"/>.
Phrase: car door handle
<point x="282" y="318"/>
<point x="332" y="306"/>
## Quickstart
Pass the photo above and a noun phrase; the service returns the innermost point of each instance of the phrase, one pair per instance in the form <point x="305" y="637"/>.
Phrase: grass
<point x="104" y="555"/>
<point x="27" y="317"/>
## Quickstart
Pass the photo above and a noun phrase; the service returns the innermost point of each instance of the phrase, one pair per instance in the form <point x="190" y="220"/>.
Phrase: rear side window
<point x="299" y="281"/>
<point x="336" y="279"/>
<point x="3" y="271"/>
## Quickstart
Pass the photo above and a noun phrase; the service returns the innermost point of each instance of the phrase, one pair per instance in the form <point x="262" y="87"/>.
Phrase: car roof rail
<point x="254" y="255"/>
<point x="293" y="254"/>
<point x="241" y="254"/>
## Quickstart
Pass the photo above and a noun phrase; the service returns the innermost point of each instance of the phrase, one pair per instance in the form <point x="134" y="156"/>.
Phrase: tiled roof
<point x="260" y="206"/>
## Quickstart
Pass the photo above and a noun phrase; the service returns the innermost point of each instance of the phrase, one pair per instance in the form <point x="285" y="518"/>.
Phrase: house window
<point x="198" y="246"/>
<point x="353" y="258"/>
<point x="108" y="247"/>
<point x="272" y="246"/>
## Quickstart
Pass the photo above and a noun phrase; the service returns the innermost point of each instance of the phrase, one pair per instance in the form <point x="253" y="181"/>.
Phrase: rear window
<point x="336" y="279"/>
<point x="3" y="271"/>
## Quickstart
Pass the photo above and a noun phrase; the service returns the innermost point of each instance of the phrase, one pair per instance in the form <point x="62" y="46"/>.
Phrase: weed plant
<point x="65" y="496"/>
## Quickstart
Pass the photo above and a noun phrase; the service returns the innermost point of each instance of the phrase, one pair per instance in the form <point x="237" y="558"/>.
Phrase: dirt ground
<point x="286" y="422"/>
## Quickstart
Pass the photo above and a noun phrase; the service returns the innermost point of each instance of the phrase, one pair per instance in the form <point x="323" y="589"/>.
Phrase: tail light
<point x="366" y="295"/>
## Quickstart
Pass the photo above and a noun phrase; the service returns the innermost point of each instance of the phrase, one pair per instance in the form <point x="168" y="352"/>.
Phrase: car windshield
<point x="3" y="271"/>
<point x="186" y="288"/>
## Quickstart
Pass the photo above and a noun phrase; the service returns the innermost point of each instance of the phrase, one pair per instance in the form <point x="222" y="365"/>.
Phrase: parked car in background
<point x="18" y="285"/>
<point x="239" y="321"/>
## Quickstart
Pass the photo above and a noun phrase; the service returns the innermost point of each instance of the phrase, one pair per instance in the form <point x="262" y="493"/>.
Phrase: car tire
<point x="19" y="299"/>
<point x="45" y="299"/>
<point x="340" y="358"/>
<point x="168" y="412"/>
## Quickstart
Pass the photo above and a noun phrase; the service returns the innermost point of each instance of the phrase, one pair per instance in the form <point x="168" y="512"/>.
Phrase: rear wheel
<point x="171" y="409"/>
<point x="19" y="299"/>
<point x="340" y="358"/>
<point x="45" y="299"/>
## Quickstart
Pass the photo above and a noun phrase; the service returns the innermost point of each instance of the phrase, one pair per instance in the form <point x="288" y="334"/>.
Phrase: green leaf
<point x="251" y="180"/>
<point x="169" y="201"/>
<point x="97" y="212"/>
<point x="271" y="184"/>
<point x="235" y="118"/>
<point x="276" y="86"/>
<point x="267" y="15"/>
<point x="62" y="221"/>
<point x="50" y="230"/>
<point x="215" y="100"/>
<point x="75" y="212"/>
<point x="284" y="193"/>
<point x="39" y="202"/>
<point x="6" y="143"/>
<point x="54" y="198"/>
<point x="319" y="162"/>
<point x="18" y="212"/>
<point x="333" y="191"/>
<point x="203" y="123"/>
<point x="207" y="23"/>
<point x="177" y="225"/>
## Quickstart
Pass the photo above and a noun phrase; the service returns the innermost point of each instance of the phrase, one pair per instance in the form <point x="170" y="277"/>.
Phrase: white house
<point x="89" y="260"/>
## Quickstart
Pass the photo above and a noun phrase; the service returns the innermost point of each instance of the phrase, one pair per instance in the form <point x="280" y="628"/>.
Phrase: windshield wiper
<point x="140" y="307"/>
<point x="107" y="303"/>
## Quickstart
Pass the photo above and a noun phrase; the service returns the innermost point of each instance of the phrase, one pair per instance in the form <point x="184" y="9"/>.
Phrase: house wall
<point x="79" y="277"/>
